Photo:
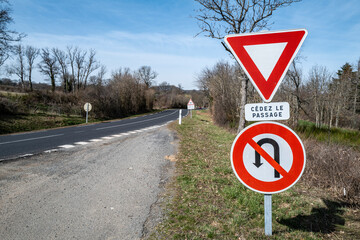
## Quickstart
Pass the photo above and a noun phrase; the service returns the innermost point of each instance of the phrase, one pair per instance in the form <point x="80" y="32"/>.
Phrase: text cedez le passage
<point x="267" y="111"/>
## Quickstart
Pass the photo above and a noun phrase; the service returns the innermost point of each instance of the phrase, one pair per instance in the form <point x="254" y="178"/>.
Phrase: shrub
<point x="334" y="167"/>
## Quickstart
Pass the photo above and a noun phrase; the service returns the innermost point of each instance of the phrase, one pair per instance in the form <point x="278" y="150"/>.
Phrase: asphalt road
<point x="102" y="190"/>
<point x="26" y="144"/>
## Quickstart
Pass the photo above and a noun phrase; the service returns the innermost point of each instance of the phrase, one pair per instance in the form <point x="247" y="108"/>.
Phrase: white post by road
<point x="180" y="117"/>
<point x="268" y="213"/>
<point x="87" y="112"/>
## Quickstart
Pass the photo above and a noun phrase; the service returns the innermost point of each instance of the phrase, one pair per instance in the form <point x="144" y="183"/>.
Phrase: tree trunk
<point x="243" y="91"/>
<point x="30" y="82"/>
<point x="354" y="104"/>
<point x="337" y="116"/>
<point x="331" y="117"/>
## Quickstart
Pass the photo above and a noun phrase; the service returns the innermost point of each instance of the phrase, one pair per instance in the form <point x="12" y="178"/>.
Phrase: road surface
<point x="26" y="144"/>
<point x="101" y="190"/>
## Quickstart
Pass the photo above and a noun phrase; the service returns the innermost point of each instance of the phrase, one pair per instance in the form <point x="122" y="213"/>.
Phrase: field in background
<point x="206" y="201"/>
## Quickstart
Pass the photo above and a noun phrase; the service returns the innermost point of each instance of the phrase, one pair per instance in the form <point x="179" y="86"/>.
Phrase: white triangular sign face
<point x="265" y="56"/>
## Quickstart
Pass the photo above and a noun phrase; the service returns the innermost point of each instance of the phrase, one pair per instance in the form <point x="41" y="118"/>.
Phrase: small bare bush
<point x="8" y="107"/>
<point x="333" y="167"/>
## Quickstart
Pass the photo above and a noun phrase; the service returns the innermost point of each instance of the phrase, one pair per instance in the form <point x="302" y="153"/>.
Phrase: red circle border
<point x="297" y="148"/>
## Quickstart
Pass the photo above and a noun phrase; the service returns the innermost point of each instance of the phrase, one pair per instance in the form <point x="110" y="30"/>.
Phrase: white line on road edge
<point x="30" y="139"/>
<point x="51" y="150"/>
<point x="81" y="143"/>
<point x="107" y="138"/>
<point x="26" y="155"/>
<point x="67" y="146"/>
<point x="95" y="140"/>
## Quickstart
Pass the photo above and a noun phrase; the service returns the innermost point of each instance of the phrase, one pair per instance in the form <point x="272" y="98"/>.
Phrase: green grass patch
<point x="326" y="134"/>
<point x="208" y="202"/>
<point x="31" y="122"/>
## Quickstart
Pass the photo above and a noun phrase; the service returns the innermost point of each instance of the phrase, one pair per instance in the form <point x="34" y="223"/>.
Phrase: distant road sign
<point x="268" y="157"/>
<point x="190" y="105"/>
<point x="87" y="107"/>
<point x="266" y="56"/>
<point x="267" y="111"/>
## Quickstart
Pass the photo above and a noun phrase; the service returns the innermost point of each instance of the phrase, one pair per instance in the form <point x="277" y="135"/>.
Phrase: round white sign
<point x="87" y="107"/>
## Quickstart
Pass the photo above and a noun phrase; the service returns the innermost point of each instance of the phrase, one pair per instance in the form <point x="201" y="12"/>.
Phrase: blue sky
<point x="160" y="33"/>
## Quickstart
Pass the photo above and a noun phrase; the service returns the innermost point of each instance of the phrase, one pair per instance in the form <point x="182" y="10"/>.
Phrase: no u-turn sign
<point x="268" y="157"/>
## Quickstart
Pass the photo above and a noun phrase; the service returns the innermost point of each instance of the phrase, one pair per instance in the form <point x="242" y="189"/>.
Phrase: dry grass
<point x="335" y="168"/>
<point x="206" y="201"/>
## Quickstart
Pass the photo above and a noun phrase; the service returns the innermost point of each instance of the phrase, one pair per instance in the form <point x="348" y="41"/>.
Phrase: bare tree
<point x="319" y="78"/>
<point x="90" y="66"/>
<point x="218" y="18"/>
<point x="48" y="66"/>
<point x="356" y="83"/>
<point x="61" y="58"/>
<point x="18" y="67"/>
<point x="146" y="75"/>
<point x="79" y="66"/>
<point x="31" y="53"/>
<point x="292" y="83"/>
<point x="72" y="52"/>
<point x="7" y="37"/>
<point x="83" y="67"/>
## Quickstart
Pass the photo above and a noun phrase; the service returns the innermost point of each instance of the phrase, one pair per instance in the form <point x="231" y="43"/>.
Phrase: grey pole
<point x="268" y="214"/>
<point x="180" y="117"/>
<point x="87" y="112"/>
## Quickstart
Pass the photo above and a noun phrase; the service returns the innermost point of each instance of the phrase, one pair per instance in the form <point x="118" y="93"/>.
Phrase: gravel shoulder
<point x="105" y="190"/>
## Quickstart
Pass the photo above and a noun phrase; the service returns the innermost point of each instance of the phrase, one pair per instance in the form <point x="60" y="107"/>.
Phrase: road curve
<point x="26" y="144"/>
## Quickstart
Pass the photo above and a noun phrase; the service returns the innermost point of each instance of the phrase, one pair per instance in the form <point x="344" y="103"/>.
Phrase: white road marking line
<point x="125" y="134"/>
<point x="30" y="139"/>
<point x="116" y="135"/>
<point x="51" y="150"/>
<point x="27" y="155"/>
<point x="132" y="132"/>
<point x="81" y="143"/>
<point x="67" y="146"/>
<point x="120" y="125"/>
<point x="107" y="138"/>
<point x="95" y="140"/>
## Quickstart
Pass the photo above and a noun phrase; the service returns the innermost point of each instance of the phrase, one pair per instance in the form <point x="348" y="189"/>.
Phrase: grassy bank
<point x="206" y="201"/>
<point x="332" y="135"/>
<point x="31" y="122"/>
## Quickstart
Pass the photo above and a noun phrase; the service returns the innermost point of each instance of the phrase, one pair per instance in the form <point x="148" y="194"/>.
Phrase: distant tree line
<point x="324" y="98"/>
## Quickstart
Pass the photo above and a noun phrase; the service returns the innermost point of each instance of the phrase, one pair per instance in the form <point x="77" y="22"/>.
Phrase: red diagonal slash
<point x="268" y="158"/>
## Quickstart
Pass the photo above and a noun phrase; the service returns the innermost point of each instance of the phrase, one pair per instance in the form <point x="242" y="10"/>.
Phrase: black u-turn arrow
<point x="275" y="145"/>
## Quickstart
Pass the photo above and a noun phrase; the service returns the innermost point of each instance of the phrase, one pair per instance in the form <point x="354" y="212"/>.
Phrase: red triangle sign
<point x="266" y="56"/>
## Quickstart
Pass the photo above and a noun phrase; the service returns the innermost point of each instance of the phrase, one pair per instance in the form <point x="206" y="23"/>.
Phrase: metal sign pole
<point x="268" y="214"/>
<point x="180" y="117"/>
<point x="87" y="112"/>
<point x="190" y="113"/>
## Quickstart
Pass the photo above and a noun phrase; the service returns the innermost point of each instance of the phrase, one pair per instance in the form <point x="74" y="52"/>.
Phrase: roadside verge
<point x="206" y="201"/>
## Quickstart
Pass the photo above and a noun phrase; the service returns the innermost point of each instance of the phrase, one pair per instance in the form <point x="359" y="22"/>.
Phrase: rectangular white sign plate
<point x="267" y="111"/>
<point x="190" y="106"/>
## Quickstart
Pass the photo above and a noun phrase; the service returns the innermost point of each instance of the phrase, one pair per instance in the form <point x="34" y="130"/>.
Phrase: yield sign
<point x="266" y="56"/>
<point x="268" y="157"/>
